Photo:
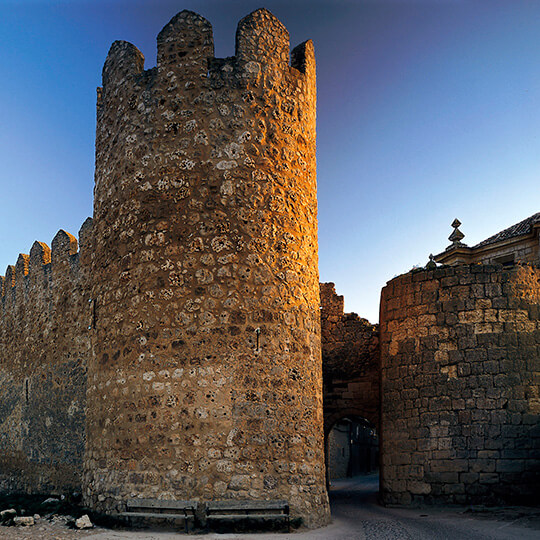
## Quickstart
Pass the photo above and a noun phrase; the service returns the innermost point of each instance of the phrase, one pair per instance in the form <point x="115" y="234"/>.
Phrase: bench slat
<point x="248" y="505"/>
<point x="153" y="515"/>
<point x="165" y="504"/>
<point x="247" y="516"/>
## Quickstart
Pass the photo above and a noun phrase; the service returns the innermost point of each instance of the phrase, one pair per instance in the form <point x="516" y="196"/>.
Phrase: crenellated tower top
<point x="42" y="265"/>
<point x="185" y="52"/>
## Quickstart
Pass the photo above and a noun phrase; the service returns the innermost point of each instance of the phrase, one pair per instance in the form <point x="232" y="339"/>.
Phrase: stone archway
<point x="351" y="444"/>
<point x="351" y="369"/>
<point x="350" y="412"/>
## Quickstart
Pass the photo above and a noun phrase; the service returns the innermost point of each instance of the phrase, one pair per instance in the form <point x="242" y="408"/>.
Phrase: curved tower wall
<point x="205" y="381"/>
<point x="460" y="350"/>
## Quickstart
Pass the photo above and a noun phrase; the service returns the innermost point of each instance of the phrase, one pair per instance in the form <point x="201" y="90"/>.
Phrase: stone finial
<point x="86" y="232"/>
<point x="21" y="267"/>
<point x="431" y="265"/>
<point x="10" y="277"/>
<point x="303" y="58"/>
<point x="457" y="236"/>
<point x="185" y="45"/>
<point x="40" y="254"/>
<point x="63" y="245"/>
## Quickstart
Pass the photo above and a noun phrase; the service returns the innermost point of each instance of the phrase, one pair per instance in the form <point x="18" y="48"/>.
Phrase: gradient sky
<point x="427" y="110"/>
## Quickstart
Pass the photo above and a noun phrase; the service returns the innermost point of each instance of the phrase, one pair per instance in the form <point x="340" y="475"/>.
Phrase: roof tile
<point x="519" y="229"/>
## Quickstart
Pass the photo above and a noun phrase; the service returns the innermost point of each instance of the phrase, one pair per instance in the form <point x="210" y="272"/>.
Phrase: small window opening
<point x="505" y="260"/>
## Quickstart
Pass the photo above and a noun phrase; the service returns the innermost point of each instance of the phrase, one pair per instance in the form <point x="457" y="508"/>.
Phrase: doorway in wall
<point x="352" y="448"/>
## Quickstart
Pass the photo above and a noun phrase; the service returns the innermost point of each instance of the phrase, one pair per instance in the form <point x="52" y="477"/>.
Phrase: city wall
<point x="177" y="353"/>
<point x="460" y="351"/>
<point x="205" y="381"/>
<point x="44" y="348"/>
<point x="350" y="353"/>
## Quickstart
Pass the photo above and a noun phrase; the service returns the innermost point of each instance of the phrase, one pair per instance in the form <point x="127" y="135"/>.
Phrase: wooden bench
<point x="247" y="512"/>
<point x="156" y="511"/>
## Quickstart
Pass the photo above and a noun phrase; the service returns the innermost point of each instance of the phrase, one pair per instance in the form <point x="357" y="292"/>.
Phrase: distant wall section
<point x="350" y="352"/>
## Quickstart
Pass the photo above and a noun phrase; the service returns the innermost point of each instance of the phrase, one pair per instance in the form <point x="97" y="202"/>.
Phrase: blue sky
<point x="427" y="110"/>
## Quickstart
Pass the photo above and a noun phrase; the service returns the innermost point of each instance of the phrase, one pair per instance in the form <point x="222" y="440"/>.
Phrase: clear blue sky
<point x="427" y="110"/>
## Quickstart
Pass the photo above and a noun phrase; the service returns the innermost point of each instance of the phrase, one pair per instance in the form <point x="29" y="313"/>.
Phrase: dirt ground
<point x="55" y="529"/>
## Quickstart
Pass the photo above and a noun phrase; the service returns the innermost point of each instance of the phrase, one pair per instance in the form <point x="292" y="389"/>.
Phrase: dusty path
<point x="356" y="516"/>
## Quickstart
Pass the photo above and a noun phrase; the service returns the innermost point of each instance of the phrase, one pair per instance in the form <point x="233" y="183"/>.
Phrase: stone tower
<point x="205" y="380"/>
<point x="460" y="351"/>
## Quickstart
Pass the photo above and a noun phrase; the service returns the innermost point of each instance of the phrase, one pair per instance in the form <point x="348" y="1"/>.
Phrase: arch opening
<point x="352" y="448"/>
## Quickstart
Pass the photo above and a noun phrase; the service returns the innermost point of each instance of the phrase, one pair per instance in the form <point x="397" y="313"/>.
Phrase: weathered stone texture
<point x="188" y="327"/>
<point x="525" y="252"/>
<point x="460" y="365"/>
<point x="338" y="454"/>
<point x="44" y="344"/>
<point x="350" y="352"/>
<point x="206" y="377"/>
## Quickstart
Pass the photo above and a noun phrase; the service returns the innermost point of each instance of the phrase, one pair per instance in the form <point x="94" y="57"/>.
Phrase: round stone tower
<point x="460" y="415"/>
<point x="205" y="381"/>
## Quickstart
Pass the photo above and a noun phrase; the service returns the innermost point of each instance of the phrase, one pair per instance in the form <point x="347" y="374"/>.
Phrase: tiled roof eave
<point x="496" y="245"/>
<point x="522" y="229"/>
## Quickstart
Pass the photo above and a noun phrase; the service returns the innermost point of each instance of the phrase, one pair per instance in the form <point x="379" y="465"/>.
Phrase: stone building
<point x="519" y="243"/>
<point x="183" y="348"/>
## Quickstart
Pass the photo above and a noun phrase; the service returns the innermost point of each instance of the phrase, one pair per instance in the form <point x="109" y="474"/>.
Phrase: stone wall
<point x="350" y="351"/>
<point x="459" y="359"/>
<point x="44" y="346"/>
<point x="339" y="454"/>
<point x="188" y="328"/>
<point x="524" y="251"/>
<point x="206" y="380"/>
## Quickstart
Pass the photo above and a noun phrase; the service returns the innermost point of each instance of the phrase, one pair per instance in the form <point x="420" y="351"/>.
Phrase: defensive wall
<point x="205" y="382"/>
<point x="460" y="351"/>
<point x="350" y="352"/>
<point x="44" y="349"/>
<point x="176" y="352"/>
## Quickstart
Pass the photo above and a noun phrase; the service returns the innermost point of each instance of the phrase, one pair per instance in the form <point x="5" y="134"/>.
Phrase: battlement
<point x="33" y="273"/>
<point x="44" y="346"/>
<point x="201" y="256"/>
<point x="173" y="351"/>
<point x="185" y="58"/>
<point x="206" y="242"/>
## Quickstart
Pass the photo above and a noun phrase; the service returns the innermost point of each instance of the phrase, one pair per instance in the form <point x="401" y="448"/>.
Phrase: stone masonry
<point x="188" y="328"/>
<point x="177" y="353"/>
<point x="459" y="378"/>
<point x="205" y="378"/>
<point x="350" y="351"/>
<point x="44" y="348"/>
